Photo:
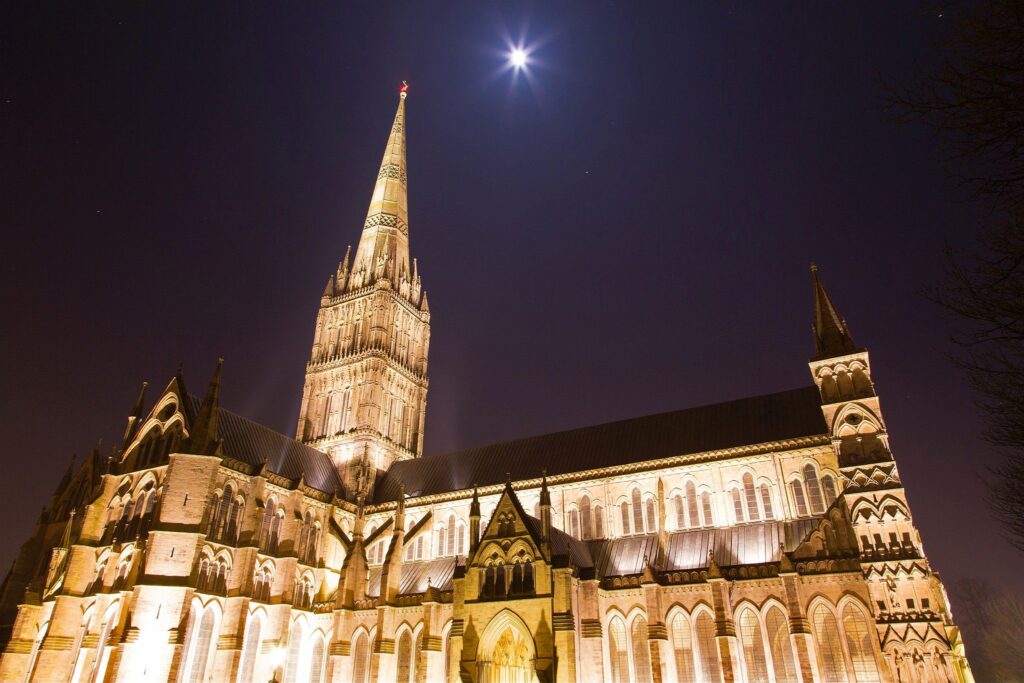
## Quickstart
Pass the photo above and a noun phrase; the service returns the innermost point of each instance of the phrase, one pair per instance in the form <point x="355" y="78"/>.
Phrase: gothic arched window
<point x="404" y="656"/>
<point x="624" y="509"/>
<point x="828" y="487"/>
<point x="361" y="659"/>
<point x="781" y="646"/>
<point x="766" y="502"/>
<point x="709" y="515"/>
<point x="652" y="516"/>
<point x="598" y="521"/>
<point x="813" y="489"/>
<point x="753" y="646"/>
<point x="691" y="504"/>
<point x="638" y="512"/>
<point x="859" y="643"/>
<point x="737" y="505"/>
<point x="585" y="524"/>
<point x="798" y="498"/>
<point x="682" y="647"/>
<point x="830" y="649"/>
<point x="250" y="648"/>
<point x="750" y="495"/>
<point x="707" y="648"/>
<point x="641" y="651"/>
<point x="617" y="651"/>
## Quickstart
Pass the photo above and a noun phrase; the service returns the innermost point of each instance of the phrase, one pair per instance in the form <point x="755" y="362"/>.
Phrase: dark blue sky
<point x="630" y="235"/>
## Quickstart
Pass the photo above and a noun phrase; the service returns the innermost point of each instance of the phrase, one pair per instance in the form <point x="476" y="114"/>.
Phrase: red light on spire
<point x="404" y="88"/>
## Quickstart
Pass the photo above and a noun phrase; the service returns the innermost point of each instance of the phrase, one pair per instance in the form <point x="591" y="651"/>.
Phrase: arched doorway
<point x="507" y="651"/>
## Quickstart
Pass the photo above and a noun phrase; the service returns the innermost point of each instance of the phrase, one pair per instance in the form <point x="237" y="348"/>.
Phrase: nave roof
<point x="783" y="415"/>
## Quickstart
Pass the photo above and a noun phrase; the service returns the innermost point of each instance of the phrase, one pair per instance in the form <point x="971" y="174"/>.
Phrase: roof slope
<point x="254" y="444"/>
<point x="759" y="419"/>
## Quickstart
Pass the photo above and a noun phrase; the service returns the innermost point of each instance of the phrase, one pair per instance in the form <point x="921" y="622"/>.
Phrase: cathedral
<point x="766" y="539"/>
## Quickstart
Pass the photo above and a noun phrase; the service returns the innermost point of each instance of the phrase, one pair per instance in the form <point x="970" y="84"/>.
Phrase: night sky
<point x="626" y="232"/>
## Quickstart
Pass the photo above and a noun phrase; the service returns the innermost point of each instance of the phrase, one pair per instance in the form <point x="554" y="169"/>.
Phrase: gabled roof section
<point x="773" y="417"/>
<point x="255" y="444"/>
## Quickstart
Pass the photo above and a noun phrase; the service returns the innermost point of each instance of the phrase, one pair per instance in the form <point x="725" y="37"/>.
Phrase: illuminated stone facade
<point x="765" y="539"/>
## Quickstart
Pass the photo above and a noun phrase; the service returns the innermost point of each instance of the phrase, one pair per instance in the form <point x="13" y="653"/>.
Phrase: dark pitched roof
<point x="562" y="544"/>
<point x="254" y="444"/>
<point x="415" y="577"/>
<point x="772" y="417"/>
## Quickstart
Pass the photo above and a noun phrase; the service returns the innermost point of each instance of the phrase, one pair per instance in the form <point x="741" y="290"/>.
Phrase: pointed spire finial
<point x="204" y="430"/>
<point x="383" y="250"/>
<point x="831" y="335"/>
<point x="403" y="90"/>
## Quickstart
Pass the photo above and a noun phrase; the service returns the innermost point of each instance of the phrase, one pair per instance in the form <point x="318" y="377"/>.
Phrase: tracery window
<point x="798" y="498"/>
<point x="303" y="598"/>
<point x="262" y="583"/>
<point x="641" y="651"/>
<point x="652" y="516"/>
<point x="828" y="487"/>
<point x="682" y="648"/>
<point x="753" y="646"/>
<point x="250" y="648"/>
<point x="585" y="523"/>
<point x="361" y="659"/>
<point x="737" y="505"/>
<point x="226" y="512"/>
<point x="766" y="502"/>
<point x="783" y="664"/>
<point x="295" y="637"/>
<point x="707" y="648"/>
<point x="309" y="538"/>
<point x="638" y="512"/>
<point x="830" y="649"/>
<point x="316" y="660"/>
<point x="709" y="516"/>
<point x="270" y="528"/>
<point x="405" y="655"/>
<point x="750" y="495"/>
<point x="813" y="489"/>
<point x="691" y="501"/>
<point x="198" y="643"/>
<point x="617" y="651"/>
<point x="859" y="644"/>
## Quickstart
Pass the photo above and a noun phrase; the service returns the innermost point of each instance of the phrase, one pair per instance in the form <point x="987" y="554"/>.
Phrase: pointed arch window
<point x="652" y="516"/>
<point x="270" y="528"/>
<point x="737" y="505"/>
<point x="316" y="660"/>
<point x="680" y="510"/>
<point x="460" y="538"/>
<point x="405" y="654"/>
<point x="617" y="652"/>
<point x="202" y="623"/>
<point x="859" y="644"/>
<point x="691" y="501"/>
<point x="598" y="521"/>
<point x="442" y="540"/>
<point x="585" y="523"/>
<point x="682" y="648"/>
<point x="750" y="495"/>
<point x="828" y="487"/>
<point x="638" y="512"/>
<point x="574" y="523"/>
<point x="451" y="535"/>
<point x="707" y="648"/>
<point x="830" y="650"/>
<point x="641" y="651"/>
<point x="798" y="498"/>
<point x="813" y="489"/>
<point x="361" y="659"/>
<point x="781" y="646"/>
<point x="766" y="502"/>
<point x="624" y="509"/>
<point x="250" y="648"/>
<point x="753" y="647"/>
<point x="709" y="515"/>
<point x="295" y="637"/>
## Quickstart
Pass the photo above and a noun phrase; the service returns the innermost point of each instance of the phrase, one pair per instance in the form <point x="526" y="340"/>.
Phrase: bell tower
<point x="364" y="396"/>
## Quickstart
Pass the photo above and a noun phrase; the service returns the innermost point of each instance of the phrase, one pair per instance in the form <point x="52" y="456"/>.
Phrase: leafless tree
<point x="975" y="101"/>
<point x="993" y="622"/>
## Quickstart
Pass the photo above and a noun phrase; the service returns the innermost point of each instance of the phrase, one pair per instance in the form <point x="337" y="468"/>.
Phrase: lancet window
<point x="270" y="527"/>
<point x="199" y="641"/>
<point x="309" y="539"/>
<point x="250" y="648"/>
<point x="501" y="579"/>
<point x="226" y="515"/>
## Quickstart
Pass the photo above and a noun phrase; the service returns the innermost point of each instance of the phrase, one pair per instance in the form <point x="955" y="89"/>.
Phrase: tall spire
<point x="831" y="335"/>
<point x="383" y="250"/>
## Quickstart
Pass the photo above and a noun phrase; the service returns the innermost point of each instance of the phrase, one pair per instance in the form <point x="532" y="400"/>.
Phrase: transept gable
<point x="508" y="531"/>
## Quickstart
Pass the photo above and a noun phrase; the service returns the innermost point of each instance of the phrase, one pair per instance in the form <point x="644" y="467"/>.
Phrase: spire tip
<point x="403" y="90"/>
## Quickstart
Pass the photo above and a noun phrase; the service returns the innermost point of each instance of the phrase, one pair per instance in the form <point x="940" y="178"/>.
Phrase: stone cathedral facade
<point x="764" y="539"/>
